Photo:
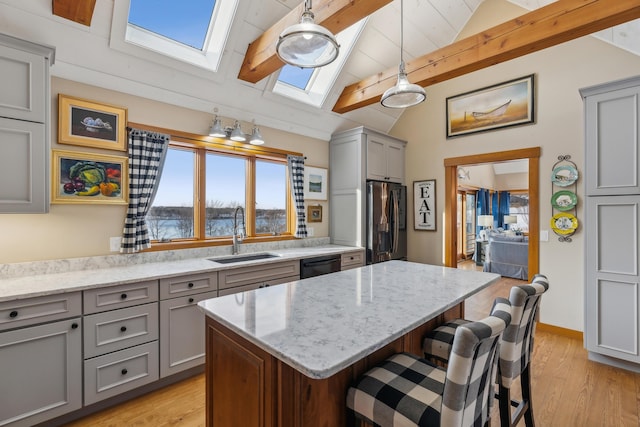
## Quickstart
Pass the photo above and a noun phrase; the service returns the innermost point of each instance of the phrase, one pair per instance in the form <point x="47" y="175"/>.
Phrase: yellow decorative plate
<point x="564" y="223"/>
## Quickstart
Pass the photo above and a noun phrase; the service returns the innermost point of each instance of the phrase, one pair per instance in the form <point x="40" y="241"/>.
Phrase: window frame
<point x="201" y="145"/>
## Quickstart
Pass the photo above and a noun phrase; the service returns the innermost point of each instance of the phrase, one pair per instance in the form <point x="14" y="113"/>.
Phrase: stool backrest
<point x="517" y="340"/>
<point x="471" y="371"/>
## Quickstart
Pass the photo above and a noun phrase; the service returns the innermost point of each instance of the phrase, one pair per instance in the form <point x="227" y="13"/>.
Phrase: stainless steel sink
<point x="242" y="258"/>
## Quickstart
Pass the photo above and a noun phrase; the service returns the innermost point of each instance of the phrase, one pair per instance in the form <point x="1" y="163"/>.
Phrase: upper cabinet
<point x="24" y="125"/>
<point x="385" y="158"/>
<point x="612" y="138"/>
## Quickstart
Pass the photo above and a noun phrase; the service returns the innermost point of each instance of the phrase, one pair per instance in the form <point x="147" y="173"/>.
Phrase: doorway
<point x="451" y="201"/>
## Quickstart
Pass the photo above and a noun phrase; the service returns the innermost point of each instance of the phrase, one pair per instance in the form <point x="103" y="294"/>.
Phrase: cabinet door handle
<point x="13" y="314"/>
<point x="124" y="371"/>
<point x="190" y="300"/>
<point x="123" y="296"/>
<point x="74" y="326"/>
<point x="190" y="285"/>
<point x="123" y="329"/>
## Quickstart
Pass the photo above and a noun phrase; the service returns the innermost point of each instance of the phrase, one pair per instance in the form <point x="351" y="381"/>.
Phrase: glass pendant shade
<point x="307" y="44"/>
<point x="256" y="137"/>
<point x="236" y="134"/>
<point x="216" y="129"/>
<point x="403" y="94"/>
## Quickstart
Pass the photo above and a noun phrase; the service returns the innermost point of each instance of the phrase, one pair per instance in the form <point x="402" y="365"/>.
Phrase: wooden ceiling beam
<point x="548" y="26"/>
<point x="80" y="11"/>
<point x="261" y="59"/>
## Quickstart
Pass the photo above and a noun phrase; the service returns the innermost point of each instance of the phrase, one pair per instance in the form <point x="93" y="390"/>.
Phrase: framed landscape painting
<point x="505" y="104"/>
<point x="91" y="124"/>
<point x="315" y="183"/>
<point x="89" y="178"/>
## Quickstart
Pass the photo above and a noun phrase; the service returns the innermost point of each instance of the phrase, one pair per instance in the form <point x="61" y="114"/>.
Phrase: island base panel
<point x="247" y="386"/>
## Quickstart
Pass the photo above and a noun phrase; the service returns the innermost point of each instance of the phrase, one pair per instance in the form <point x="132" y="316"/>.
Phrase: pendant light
<point x="216" y="129"/>
<point x="307" y="44"/>
<point x="256" y="137"/>
<point x="403" y="94"/>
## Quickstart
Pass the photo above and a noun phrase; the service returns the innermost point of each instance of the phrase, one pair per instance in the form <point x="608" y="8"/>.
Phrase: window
<point x="193" y="32"/>
<point x="519" y="206"/>
<point x="223" y="177"/>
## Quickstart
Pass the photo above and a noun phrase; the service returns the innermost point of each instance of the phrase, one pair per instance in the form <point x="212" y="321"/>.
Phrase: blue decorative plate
<point x="564" y="175"/>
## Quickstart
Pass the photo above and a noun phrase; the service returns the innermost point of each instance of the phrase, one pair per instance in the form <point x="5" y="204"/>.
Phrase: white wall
<point x="559" y="73"/>
<point x="70" y="231"/>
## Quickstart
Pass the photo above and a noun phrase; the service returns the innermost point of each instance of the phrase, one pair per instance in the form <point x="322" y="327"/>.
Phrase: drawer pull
<point x="124" y="371"/>
<point x="123" y="296"/>
<point x="74" y="326"/>
<point x="190" y="300"/>
<point x="13" y="314"/>
<point x="123" y="328"/>
<point x="190" y="285"/>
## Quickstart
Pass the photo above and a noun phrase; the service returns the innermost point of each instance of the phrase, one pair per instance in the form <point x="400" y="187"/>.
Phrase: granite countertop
<point x="55" y="280"/>
<point x="323" y="324"/>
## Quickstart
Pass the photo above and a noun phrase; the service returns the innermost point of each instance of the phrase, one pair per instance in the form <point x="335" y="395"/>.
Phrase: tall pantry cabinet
<point x="24" y="125"/>
<point x="612" y="223"/>
<point x="355" y="156"/>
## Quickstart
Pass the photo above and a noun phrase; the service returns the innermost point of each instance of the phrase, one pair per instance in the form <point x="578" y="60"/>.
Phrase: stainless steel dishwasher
<point x="316" y="266"/>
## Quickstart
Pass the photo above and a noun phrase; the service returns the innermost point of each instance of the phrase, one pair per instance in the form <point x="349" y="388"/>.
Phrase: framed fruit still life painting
<point x="89" y="178"/>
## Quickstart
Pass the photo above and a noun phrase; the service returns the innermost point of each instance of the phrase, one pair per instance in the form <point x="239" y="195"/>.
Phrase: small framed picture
<point x="315" y="183"/>
<point x="314" y="213"/>
<point x="424" y="205"/>
<point x="89" y="178"/>
<point x="91" y="124"/>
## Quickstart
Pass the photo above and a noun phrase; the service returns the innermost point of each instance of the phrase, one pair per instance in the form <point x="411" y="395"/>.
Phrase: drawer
<point x="262" y="273"/>
<point x="114" y="297"/>
<point x="253" y="286"/>
<point x="114" y="330"/>
<point x="30" y="311"/>
<point x="352" y="260"/>
<point x="172" y="287"/>
<point x="114" y="373"/>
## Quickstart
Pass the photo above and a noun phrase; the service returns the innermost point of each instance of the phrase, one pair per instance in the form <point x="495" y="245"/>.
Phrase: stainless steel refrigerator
<point x="386" y="226"/>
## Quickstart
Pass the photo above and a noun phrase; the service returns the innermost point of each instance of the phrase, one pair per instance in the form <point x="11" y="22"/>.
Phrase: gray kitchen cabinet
<point x="41" y="362"/>
<point x="246" y="278"/>
<point x="121" y="349"/>
<point x="181" y="322"/>
<point x="349" y="260"/>
<point x="355" y="156"/>
<point x="24" y="125"/>
<point x="611" y="222"/>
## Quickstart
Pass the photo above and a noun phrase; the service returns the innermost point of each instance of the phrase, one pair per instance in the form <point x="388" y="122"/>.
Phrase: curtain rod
<point x="177" y="135"/>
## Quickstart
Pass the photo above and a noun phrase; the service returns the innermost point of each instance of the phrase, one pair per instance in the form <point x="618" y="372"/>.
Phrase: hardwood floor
<point x="568" y="389"/>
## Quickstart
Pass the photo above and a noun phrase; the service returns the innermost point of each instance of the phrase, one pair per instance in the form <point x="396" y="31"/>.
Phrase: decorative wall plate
<point x="564" y="175"/>
<point x="564" y="200"/>
<point x="564" y="223"/>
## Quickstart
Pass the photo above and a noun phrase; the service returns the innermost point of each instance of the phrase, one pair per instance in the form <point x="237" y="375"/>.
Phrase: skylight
<point x="192" y="32"/>
<point x="312" y="85"/>
<point x="185" y="22"/>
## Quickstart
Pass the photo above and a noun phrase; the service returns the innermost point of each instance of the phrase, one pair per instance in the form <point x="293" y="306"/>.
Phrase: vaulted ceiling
<point x="84" y="52"/>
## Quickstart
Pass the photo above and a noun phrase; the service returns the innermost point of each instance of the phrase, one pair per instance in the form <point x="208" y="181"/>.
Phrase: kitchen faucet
<point x="238" y="235"/>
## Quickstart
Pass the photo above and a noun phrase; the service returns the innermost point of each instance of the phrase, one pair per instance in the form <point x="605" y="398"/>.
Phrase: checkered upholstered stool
<point x="408" y="391"/>
<point x="515" y="350"/>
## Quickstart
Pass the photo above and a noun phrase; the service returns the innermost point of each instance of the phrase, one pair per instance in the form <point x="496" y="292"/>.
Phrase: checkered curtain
<point x="147" y="151"/>
<point x="296" y="174"/>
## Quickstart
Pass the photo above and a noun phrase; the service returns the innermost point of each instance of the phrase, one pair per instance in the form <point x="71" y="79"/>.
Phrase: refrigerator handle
<point x="395" y="220"/>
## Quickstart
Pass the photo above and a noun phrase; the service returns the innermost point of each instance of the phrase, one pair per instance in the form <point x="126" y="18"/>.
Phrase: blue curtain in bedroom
<point x="503" y="207"/>
<point x="494" y="210"/>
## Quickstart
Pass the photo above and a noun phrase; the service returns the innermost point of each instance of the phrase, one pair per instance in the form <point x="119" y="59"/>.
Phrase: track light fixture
<point x="235" y="133"/>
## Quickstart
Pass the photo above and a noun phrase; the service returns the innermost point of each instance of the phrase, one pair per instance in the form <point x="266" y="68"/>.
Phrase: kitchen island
<point x="286" y="355"/>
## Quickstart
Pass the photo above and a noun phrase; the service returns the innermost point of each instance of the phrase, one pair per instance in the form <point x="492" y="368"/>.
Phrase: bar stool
<point x="515" y="350"/>
<point x="408" y="391"/>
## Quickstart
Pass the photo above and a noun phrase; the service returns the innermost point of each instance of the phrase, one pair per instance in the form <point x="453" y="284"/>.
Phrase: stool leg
<point x="504" y="401"/>
<point x="525" y="381"/>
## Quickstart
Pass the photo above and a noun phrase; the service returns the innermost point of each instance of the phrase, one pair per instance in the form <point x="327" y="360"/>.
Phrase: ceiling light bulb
<point x="236" y="134"/>
<point x="256" y="137"/>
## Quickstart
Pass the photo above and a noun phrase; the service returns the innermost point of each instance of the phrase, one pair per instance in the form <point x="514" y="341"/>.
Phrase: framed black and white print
<point x="424" y="205"/>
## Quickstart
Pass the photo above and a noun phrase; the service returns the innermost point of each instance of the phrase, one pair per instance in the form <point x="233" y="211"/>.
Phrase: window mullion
<point x="250" y="197"/>
<point x="199" y="210"/>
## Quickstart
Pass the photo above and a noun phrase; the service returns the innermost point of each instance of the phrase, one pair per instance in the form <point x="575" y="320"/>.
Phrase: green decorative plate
<point x="564" y="200"/>
<point x="563" y="176"/>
